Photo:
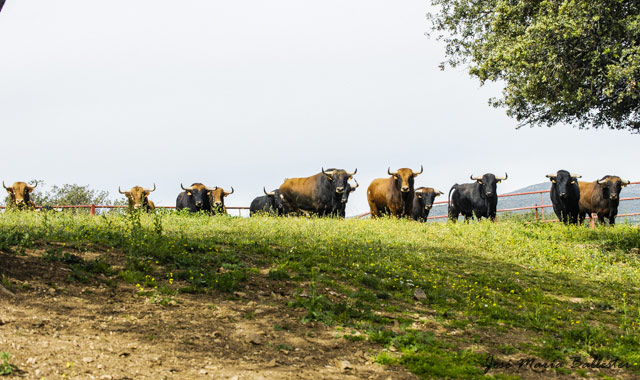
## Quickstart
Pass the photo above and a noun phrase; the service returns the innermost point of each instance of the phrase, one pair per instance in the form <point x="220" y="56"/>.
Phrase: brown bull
<point x="393" y="195"/>
<point x="602" y="197"/>
<point x="138" y="198"/>
<point x="216" y="197"/>
<point x="20" y="196"/>
<point x="317" y="194"/>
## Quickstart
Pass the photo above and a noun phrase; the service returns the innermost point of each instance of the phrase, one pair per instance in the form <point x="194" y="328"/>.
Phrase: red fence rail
<point x="538" y="208"/>
<point x="92" y="208"/>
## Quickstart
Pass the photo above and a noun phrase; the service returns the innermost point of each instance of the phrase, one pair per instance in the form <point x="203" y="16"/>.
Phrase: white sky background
<point x="246" y="93"/>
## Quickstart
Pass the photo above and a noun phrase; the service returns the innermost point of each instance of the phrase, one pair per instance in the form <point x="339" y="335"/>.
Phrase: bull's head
<point x="339" y="178"/>
<point x="611" y="186"/>
<point x="426" y="196"/>
<point x="199" y="194"/>
<point x="275" y="197"/>
<point x="20" y="193"/>
<point x="138" y="196"/>
<point x="564" y="181"/>
<point x="217" y="196"/>
<point x="489" y="183"/>
<point x="350" y="189"/>
<point x="404" y="178"/>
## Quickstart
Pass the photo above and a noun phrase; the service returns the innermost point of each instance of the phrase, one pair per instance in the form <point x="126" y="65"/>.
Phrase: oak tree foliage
<point x="575" y="62"/>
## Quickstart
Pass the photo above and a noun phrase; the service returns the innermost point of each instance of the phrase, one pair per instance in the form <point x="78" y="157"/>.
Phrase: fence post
<point x="537" y="219"/>
<point x="593" y="222"/>
<point x="542" y="204"/>
<point x="93" y="209"/>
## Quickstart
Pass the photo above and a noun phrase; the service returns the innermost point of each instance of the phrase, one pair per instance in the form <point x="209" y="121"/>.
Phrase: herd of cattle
<point x="327" y="193"/>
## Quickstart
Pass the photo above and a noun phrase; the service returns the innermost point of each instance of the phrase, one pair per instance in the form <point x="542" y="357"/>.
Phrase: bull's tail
<point x="449" y="204"/>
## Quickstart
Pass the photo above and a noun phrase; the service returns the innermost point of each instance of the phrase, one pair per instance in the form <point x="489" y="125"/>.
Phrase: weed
<point x="6" y="368"/>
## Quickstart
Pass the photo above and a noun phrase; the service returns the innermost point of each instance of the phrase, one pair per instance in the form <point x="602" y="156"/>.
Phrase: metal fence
<point x="92" y="208"/>
<point x="539" y="209"/>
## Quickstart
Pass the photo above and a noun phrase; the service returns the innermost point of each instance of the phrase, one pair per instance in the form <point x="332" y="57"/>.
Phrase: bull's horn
<point x="35" y="184"/>
<point x="356" y="186"/>
<point x="150" y="190"/>
<point x="267" y="193"/>
<point x="575" y="175"/>
<point x="186" y="188"/>
<point x="211" y="188"/>
<point x="327" y="173"/>
<point x="475" y="178"/>
<point x="503" y="178"/>
<point x="120" y="191"/>
<point x="438" y="192"/>
<point x="3" y="185"/>
<point x="390" y="172"/>
<point x="603" y="181"/>
<point x="228" y="193"/>
<point x="626" y="182"/>
<point x="350" y="174"/>
<point x="420" y="172"/>
<point x="553" y="175"/>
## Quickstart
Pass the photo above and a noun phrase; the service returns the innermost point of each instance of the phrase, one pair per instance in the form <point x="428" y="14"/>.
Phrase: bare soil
<point x="56" y="328"/>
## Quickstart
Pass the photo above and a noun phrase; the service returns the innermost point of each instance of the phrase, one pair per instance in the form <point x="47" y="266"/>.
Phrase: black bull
<point x="565" y="195"/>
<point x="195" y="198"/>
<point x="479" y="198"/>
<point x="270" y="203"/>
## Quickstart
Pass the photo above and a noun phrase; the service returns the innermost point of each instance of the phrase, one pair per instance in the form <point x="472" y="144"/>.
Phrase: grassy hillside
<point x="443" y="300"/>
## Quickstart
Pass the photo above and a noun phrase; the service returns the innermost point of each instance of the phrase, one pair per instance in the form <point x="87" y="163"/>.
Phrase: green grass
<point x="6" y="368"/>
<point x="561" y="291"/>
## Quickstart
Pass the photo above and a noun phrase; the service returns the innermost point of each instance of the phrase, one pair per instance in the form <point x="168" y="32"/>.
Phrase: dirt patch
<point x="55" y="327"/>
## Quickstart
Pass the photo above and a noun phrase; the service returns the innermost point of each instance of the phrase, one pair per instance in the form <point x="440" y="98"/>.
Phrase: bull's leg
<point x="573" y="218"/>
<point x="374" y="210"/>
<point x="601" y="218"/>
<point x="453" y="214"/>
<point x="581" y="217"/>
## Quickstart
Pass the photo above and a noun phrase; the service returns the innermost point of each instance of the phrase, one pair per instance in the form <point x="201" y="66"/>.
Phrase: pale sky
<point x="246" y="93"/>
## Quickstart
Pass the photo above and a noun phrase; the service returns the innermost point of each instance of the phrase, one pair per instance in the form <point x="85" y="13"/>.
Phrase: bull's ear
<point x="188" y="193"/>
<point x="439" y="193"/>
<point x="480" y="181"/>
<point x="572" y="182"/>
<point x="499" y="181"/>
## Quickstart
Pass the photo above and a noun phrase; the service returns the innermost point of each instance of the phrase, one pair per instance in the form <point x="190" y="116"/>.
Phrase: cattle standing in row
<point x="20" y="196"/>
<point x="216" y="197"/>
<point x="423" y="202"/>
<point x="393" y="195"/>
<point x="340" y="202"/>
<point x="195" y="198"/>
<point x="478" y="198"/>
<point x="315" y="194"/>
<point x="565" y="195"/>
<point x="138" y="198"/>
<point x="602" y="197"/>
<point x="269" y="203"/>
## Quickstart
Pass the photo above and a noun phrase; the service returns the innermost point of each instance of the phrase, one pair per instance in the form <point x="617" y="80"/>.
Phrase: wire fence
<point x="537" y="208"/>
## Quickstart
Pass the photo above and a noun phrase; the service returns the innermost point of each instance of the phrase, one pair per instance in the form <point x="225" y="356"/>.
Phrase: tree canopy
<point x="573" y="61"/>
